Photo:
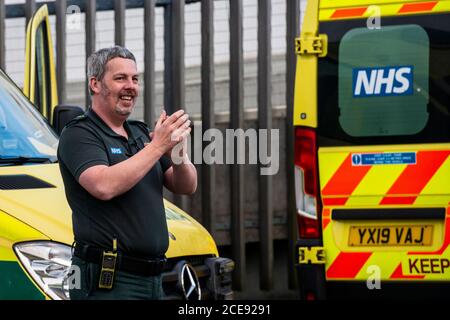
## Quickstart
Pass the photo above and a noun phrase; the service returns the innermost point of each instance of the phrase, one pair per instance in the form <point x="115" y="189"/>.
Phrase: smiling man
<point x="113" y="175"/>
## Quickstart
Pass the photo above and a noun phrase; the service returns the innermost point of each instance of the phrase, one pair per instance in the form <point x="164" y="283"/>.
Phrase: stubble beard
<point x="124" y="112"/>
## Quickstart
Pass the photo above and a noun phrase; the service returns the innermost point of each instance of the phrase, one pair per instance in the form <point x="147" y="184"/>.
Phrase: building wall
<point x="222" y="197"/>
<point x="15" y="51"/>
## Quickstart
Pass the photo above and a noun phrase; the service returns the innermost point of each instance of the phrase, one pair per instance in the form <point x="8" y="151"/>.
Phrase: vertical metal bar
<point x="2" y="33"/>
<point x="168" y="102"/>
<point x="90" y="38"/>
<point x="30" y="8"/>
<point x="292" y="31"/>
<point x="237" y="121"/>
<point x="176" y="70"/>
<point x="149" y="61"/>
<point x="61" y="7"/>
<point x="177" y="26"/>
<point x="174" y="56"/>
<point x="119" y="22"/>
<point x="265" y="122"/>
<point x="208" y="120"/>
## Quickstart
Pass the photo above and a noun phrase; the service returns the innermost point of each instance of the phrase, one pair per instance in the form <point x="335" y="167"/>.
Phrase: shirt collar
<point x="105" y="128"/>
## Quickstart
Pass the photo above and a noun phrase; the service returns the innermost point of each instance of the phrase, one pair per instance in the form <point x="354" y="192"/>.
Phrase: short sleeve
<point x="165" y="163"/>
<point x="79" y="149"/>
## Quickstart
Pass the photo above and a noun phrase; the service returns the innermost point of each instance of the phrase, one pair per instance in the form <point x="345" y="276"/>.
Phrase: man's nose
<point x="131" y="84"/>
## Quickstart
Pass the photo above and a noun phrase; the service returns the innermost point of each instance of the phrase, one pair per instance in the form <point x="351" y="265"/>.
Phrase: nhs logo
<point x="116" y="150"/>
<point x="383" y="81"/>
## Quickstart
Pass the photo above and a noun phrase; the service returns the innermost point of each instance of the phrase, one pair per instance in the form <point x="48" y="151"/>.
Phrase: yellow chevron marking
<point x="331" y="251"/>
<point x="385" y="261"/>
<point x="437" y="190"/>
<point x="439" y="183"/>
<point x="425" y="200"/>
<point x="378" y="180"/>
<point x="329" y="163"/>
<point x="442" y="6"/>
<point x="363" y="201"/>
<point x="375" y="185"/>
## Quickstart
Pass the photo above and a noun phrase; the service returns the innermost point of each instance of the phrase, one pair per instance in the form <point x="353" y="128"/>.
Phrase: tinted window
<point x="386" y="86"/>
<point x="43" y="81"/>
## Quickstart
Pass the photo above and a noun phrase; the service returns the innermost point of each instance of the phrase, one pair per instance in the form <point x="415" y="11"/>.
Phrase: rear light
<point x="306" y="183"/>
<point x="310" y="296"/>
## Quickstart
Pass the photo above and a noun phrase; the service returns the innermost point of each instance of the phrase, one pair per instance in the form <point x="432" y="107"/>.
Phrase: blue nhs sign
<point x="383" y="81"/>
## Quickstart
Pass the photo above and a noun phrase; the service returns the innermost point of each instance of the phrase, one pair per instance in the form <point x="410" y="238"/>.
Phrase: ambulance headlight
<point x="48" y="264"/>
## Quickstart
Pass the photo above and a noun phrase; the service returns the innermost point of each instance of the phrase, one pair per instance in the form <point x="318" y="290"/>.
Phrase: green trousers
<point x="126" y="286"/>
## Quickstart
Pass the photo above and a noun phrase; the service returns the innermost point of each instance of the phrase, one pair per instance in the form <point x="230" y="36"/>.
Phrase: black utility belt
<point x="137" y="266"/>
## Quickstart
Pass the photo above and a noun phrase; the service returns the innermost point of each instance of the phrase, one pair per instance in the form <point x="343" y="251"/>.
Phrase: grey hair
<point x="96" y="63"/>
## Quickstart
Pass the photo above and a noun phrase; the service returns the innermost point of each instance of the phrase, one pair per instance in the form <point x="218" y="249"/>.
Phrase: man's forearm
<point x="184" y="178"/>
<point x="115" y="180"/>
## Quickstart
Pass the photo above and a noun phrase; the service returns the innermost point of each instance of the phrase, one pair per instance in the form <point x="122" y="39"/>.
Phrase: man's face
<point x="119" y="87"/>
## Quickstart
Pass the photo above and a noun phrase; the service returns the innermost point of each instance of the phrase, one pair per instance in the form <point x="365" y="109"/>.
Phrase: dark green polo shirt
<point x="136" y="218"/>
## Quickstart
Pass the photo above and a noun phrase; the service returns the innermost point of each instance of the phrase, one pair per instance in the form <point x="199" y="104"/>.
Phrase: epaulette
<point x="76" y="120"/>
<point x="142" y="125"/>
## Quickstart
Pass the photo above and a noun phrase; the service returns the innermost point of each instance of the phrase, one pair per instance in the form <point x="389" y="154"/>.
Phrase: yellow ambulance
<point x="35" y="219"/>
<point x="372" y="149"/>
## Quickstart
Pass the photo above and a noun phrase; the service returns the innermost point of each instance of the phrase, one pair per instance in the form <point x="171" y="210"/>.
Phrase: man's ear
<point x="94" y="84"/>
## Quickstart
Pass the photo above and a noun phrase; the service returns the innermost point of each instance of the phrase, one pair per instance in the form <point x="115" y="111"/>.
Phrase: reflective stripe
<point x="398" y="274"/>
<point x="347" y="265"/>
<point x="334" y="10"/>
<point x="325" y="218"/>
<point x="398" y="200"/>
<point x="418" y="7"/>
<point x="346" y="178"/>
<point x="415" y="177"/>
<point x="335" y="201"/>
<point x="347" y="13"/>
<point x="325" y="223"/>
<point x="426" y="180"/>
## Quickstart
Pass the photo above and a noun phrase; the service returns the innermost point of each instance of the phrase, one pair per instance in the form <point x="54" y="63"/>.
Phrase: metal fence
<point x="174" y="96"/>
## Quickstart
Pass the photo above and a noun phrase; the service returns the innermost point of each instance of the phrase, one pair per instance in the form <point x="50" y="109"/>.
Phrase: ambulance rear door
<point x="383" y="148"/>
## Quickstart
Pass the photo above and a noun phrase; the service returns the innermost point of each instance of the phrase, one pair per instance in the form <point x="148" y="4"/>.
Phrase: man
<point x="113" y="175"/>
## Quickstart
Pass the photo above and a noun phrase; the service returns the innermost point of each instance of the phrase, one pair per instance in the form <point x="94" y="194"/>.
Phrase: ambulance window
<point x="383" y="77"/>
<point x="42" y="90"/>
<point x="386" y="86"/>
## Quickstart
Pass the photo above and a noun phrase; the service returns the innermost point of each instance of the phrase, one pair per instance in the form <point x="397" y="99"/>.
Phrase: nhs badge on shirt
<point x="383" y="81"/>
<point x="116" y="151"/>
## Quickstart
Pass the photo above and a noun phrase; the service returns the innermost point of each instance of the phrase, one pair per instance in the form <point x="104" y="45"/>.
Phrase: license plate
<point x="413" y="235"/>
